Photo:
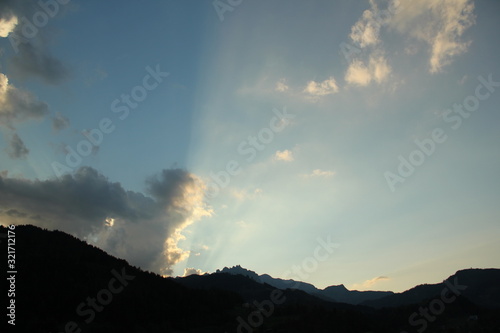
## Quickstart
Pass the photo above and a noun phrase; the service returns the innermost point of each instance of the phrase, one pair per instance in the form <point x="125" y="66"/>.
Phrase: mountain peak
<point x="238" y="270"/>
<point x="339" y="287"/>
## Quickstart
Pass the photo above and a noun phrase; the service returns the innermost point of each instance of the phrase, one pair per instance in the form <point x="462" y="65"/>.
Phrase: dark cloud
<point x="167" y="184"/>
<point x="142" y="229"/>
<point x="59" y="122"/>
<point x="29" y="41"/>
<point x="36" y="62"/>
<point x="15" y="213"/>
<point x="17" y="105"/>
<point x="6" y="9"/>
<point x="16" y="148"/>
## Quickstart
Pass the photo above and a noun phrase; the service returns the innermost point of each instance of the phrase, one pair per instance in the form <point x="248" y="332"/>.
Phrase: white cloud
<point x="192" y="271"/>
<point x="365" y="32"/>
<point x="285" y="155"/>
<point x="358" y="74"/>
<point x="438" y="23"/>
<point x="379" y="68"/>
<point x="362" y="75"/>
<point x="326" y="87"/>
<point x="7" y="25"/>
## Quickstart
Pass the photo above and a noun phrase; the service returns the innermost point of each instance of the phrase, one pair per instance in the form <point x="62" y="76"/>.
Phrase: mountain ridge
<point x="61" y="281"/>
<point x="336" y="293"/>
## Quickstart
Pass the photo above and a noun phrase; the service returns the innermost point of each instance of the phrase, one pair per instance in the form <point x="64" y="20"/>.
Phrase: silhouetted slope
<point x="250" y="290"/>
<point x="66" y="285"/>
<point x="480" y="286"/>
<point x="57" y="273"/>
<point x="341" y="294"/>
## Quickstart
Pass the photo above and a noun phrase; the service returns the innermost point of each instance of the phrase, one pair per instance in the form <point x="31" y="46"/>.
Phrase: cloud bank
<point x="145" y="230"/>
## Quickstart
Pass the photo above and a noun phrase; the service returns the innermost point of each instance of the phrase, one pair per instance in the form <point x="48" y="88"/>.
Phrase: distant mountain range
<point x="481" y="286"/>
<point x="337" y="293"/>
<point x="64" y="284"/>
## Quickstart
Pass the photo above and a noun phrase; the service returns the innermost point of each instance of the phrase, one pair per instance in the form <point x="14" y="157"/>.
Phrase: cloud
<point x="7" y="24"/>
<point x="32" y="58"/>
<point x="242" y="224"/>
<point x="15" y="213"/>
<point x="380" y="69"/>
<point x="141" y="229"/>
<point x="59" y="122"/>
<point x="17" y="149"/>
<point x="36" y="62"/>
<point x="324" y="88"/>
<point x="462" y="80"/>
<point x="281" y="86"/>
<point x="438" y="23"/>
<point x="365" y="32"/>
<point x="192" y="271"/>
<point x="285" y="155"/>
<point x="360" y="74"/>
<point x="319" y="173"/>
<point x="245" y="194"/>
<point x="17" y="105"/>
<point x="369" y="283"/>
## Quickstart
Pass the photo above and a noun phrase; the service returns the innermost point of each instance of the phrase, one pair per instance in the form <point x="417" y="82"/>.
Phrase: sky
<point x="333" y="142"/>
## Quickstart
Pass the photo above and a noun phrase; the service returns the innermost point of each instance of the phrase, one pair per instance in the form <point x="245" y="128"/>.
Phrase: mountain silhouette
<point x="332" y="293"/>
<point x="480" y="286"/>
<point x="64" y="284"/>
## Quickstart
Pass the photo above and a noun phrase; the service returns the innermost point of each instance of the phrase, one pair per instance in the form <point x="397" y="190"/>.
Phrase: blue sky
<point x="313" y="105"/>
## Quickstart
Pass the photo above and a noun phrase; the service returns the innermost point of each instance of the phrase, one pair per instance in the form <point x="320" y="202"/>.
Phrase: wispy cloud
<point x="37" y="62"/>
<point x="17" y="149"/>
<point x="438" y="23"/>
<point x="17" y="105"/>
<point x="59" y="122"/>
<point x="33" y="58"/>
<point x="319" y="173"/>
<point x="243" y="194"/>
<point x="281" y="86"/>
<point x="369" y="283"/>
